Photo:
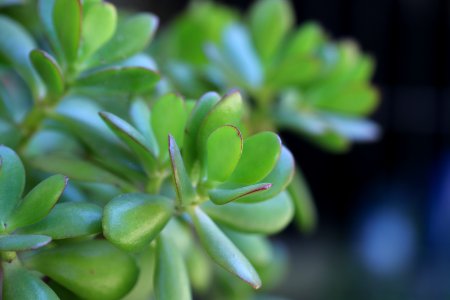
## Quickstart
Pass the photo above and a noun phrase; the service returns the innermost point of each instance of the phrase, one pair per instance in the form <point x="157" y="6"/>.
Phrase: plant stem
<point x="154" y="184"/>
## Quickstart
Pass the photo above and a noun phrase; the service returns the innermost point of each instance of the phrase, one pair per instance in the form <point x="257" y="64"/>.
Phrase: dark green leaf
<point x="90" y="269"/>
<point x="69" y="220"/>
<point x="132" y="221"/>
<point x="67" y="25"/>
<point x="222" y="250"/>
<point x="49" y="71"/>
<point x="38" y="202"/>
<point x="21" y="242"/>
<point x="222" y="196"/>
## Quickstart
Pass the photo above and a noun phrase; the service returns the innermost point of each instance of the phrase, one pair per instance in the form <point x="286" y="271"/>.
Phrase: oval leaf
<point x="222" y="250"/>
<point x="90" y="269"/>
<point x="224" y="195"/>
<point x="67" y="25"/>
<point x="266" y="217"/>
<point x="259" y="156"/>
<point x="305" y="211"/>
<point x="170" y="270"/>
<point x="141" y="118"/>
<point x="49" y="71"/>
<point x="38" y="202"/>
<point x="132" y="221"/>
<point x="21" y="242"/>
<point x="223" y="149"/>
<point x="69" y="220"/>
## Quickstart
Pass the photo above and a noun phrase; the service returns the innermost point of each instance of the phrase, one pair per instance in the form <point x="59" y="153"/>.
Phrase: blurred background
<point x="384" y="207"/>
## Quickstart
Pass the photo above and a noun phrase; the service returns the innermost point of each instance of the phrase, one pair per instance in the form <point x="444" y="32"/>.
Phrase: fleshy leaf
<point x="128" y="80"/>
<point x="21" y="242"/>
<point x="69" y="220"/>
<point x="12" y="181"/>
<point x="185" y="190"/>
<point x="20" y="283"/>
<point x="259" y="156"/>
<point x="88" y="269"/>
<point x="67" y="25"/>
<point x="132" y="221"/>
<point x="49" y="71"/>
<point x="168" y="117"/>
<point x="266" y="217"/>
<point x="130" y="38"/>
<point x="38" y="202"/>
<point x="222" y="250"/>
<point x="170" y="270"/>
<point x="224" y="195"/>
<point x="224" y="148"/>
<point x="141" y="118"/>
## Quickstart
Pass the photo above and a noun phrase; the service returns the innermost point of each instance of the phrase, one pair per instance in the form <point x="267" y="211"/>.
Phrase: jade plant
<point x="158" y="196"/>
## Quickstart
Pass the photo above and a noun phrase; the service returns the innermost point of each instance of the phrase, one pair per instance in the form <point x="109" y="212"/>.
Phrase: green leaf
<point x="228" y="111"/>
<point x="222" y="250"/>
<point x="38" y="202"/>
<point x="168" y="117"/>
<point x="67" y="25"/>
<point x="198" y="114"/>
<point x="69" y="220"/>
<point x="355" y="129"/>
<point x="91" y="269"/>
<point x="294" y="71"/>
<point x="224" y="148"/>
<point x="49" y="71"/>
<point x="332" y="141"/>
<point x="99" y="25"/>
<point x="21" y="242"/>
<point x="185" y="190"/>
<point x="306" y="40"/>
<point x="112" y="80"/>
<point x="305" y="211"/>
<point x="132" y="221"/>
<point x="20" y="283"/>
<point x="222" y="196"/>
<point x="171" y="278"/>
<point x="259" y="156"/>
<point x="270" y="21"/>
<point x="130" y="38"/>
<point x="45" y="9"/>
<point x="141" y="118"/>
<point x="266" y="217"/>
<point x="134" y="140"/>
<point x="12" y="182"/>
<point x="15" y="45"/>
<point x="280" y="177"/>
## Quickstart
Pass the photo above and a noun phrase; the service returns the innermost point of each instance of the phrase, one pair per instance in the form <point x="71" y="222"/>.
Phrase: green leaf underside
<point x="141" y="118"/>
<point x="22" y="242"/>
<point x="222" y="250"/>
<point x="67" y="25"/>
<point x="222" y="196"/>
<point x="267" y="217"/>
<point x="132" y="221"/>
<point x="49" y="71"/>
<point x="170" y="270"/>
<point x="87" y="268"/>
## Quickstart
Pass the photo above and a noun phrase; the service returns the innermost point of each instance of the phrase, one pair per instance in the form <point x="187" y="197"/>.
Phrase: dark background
<point x="384" y="207"/>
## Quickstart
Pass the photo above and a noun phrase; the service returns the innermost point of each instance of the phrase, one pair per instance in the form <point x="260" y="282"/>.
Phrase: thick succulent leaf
<point x="223" y="150"/>
<point x="67" y="25"/>
<point x="128" y="80"/>
<point x="130" y="38"/>
<point x="49" y="71"/>
<point x="171" y="277"/>
<point x="331" y="140"/>
<point x="306" y="40"/>
<point x="355" y="129"/>
<point x="259" y="156"/>
<point x="20" y="283"/>
<point x="132" y="221"/>
<point x="257" y="248"/>
<point x="200" y="269"/>
<point x="76" y="169"/>
<point x="12" y="181"/>
<point x="294" y="71"/>
<point x="134" y="140"/>
<point x="222" y="196"/>
<point x="198" y="114"/>
<point x="69" y="220"/>
<point x="309" y="122"/>
<point x="185" y="190"/>
<point x="270" y="21"/>
<point x="168" y="117"/>
<point x="222" y="250"/>
<point x="305" y="211"/>
<point x="38" y="202"/>
<point x="228" y="111"/>
<point x="99" y="25"/>
<point x="141" y="118"/>
<point x="91" y="269"/>
<point x="22" y="242"/>
<point x="280" y="177"/>
<point x="15" y="45"/>
<point x="266" y="217"/>
<point x="143" y="289"/>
